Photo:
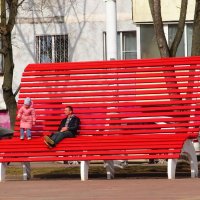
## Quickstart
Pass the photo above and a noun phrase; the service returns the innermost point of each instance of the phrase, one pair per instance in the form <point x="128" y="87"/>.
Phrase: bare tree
<point x="165" y="50"/>
<point x="196" y="31"/>
<point x="8" y="17"/>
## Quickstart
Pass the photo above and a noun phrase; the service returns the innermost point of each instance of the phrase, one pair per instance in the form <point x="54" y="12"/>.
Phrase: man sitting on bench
<point x="67" y="129"/>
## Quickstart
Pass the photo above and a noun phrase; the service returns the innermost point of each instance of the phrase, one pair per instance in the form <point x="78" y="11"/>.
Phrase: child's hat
<point x="27" y="101"/>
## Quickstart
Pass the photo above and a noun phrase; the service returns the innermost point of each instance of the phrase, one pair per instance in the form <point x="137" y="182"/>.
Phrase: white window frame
<point x="185" y="40"/>
<point x="121" y="53"/>
<point x="138" y="41"/>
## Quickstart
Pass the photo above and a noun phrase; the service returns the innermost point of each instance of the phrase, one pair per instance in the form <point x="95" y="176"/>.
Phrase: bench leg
<point x="171" y="168"/>
<point x="84" y="170"/>
<point x="2" y="172"/>
<point x="188" y="148"/>
<point x="26" y="171"/>
<point x="109" y="164"/>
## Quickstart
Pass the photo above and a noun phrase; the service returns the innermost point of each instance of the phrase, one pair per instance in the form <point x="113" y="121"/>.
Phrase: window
<point x="149" y="47"/>
<point x="148" y="44"/>
<point x="52" y="48"/>
<point x="126" y="45"/>
<point x="172" y="28"/>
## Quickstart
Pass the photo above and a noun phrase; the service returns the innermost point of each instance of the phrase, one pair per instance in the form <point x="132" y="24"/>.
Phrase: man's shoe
<point x="48" y="139"/>
<point x="48" y="144"/>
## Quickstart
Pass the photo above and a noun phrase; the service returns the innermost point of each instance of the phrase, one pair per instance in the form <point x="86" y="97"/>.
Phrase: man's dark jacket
<point x="73" y="125"/>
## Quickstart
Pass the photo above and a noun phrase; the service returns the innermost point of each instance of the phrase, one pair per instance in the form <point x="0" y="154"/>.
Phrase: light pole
<point x="111" y="29"/>
<point x="111" y="39"/>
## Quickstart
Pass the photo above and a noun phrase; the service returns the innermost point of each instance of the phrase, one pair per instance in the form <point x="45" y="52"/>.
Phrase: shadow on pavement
<point x="132" y="172"/>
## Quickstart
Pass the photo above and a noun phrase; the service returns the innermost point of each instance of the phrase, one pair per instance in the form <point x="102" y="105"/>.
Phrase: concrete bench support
<point x="2" y="171"/>
<point x="26" y="170"/>
<point x="84" y="170"/>
<point x="110" y="168"/>
<point x="189" y="150"/>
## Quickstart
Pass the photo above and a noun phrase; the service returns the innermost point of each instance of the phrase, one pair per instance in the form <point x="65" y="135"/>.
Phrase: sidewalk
<point x="98" y="189"/>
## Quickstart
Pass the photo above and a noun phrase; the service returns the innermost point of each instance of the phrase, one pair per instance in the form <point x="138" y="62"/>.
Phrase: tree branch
<point x="180" y="28"/>
<point x="196" y="30"/>
<point x="16" y="92"/>
<point x="20" y="3"/>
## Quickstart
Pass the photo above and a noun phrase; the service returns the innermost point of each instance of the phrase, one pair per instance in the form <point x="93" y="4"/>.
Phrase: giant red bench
<point x="137" y="109"/>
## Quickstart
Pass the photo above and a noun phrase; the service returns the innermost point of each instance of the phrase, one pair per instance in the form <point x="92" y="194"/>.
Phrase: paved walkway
<point x="98" y="189"/>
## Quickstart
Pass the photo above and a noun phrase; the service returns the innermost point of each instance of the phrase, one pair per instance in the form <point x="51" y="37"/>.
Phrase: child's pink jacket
<point x="27" y="117"/>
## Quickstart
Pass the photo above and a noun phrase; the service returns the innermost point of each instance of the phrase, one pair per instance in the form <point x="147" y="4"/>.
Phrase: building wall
<point x="82" y="20"/>
<point x="170" y="10"/>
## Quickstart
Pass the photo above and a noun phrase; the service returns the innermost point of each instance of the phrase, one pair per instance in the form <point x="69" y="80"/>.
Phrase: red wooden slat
<point x="45" y="103"/>
<point x="115" y="64"/>
<point x="69" y="153"/>
<point x="53" y="109"/>
<point x="125" y="115"/>
<point x="110" y="87"/>
<point x="109" y="82"/>
<point x="111" y="93"/>
<point x="111" y="70"/>
<point x="107" y="99"/>
<point x="91" y="132"/>
<point x="85" y="158"/>
<point x="112" y="76"/>
<point x="136" y="120"/>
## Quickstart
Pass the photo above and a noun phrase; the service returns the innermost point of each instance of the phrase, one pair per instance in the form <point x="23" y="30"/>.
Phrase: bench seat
<point x="129" y="110"/>
<point x="90" y="148"/>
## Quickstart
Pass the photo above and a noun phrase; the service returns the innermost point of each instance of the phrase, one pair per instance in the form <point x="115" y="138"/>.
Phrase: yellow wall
<point x="170" y="10"/>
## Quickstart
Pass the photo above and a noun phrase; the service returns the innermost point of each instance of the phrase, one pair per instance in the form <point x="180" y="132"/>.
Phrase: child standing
<point x="26" y="114"/>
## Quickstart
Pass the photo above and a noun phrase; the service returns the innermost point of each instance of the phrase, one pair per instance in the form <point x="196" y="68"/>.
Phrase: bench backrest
<point x="116" y="97"/>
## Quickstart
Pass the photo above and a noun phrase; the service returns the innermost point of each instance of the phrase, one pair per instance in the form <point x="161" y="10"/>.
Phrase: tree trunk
<point x="196" y="31"/>
<point x="158" y="28"/>
<point x="8" y="7"/>
<point x="8" y="95"/>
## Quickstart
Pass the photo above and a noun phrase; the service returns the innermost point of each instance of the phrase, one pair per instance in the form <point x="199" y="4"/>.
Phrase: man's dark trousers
<point x="58" y="136"/>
